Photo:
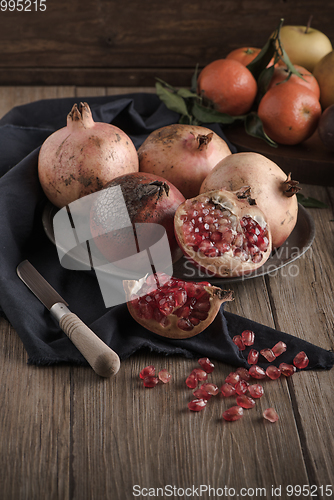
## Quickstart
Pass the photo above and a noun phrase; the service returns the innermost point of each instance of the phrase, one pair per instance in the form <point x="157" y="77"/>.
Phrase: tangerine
<point x="229" y="85"/>
<point x="245" y="55"/>
<point x="289" y="112"/>
<point x="281" y="73"/>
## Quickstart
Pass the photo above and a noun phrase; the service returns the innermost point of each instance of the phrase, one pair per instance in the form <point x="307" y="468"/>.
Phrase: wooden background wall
<point x="130" y="42"/>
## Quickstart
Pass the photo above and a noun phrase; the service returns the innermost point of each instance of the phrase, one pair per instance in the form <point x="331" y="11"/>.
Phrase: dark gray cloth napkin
<point x="22" y="236"/>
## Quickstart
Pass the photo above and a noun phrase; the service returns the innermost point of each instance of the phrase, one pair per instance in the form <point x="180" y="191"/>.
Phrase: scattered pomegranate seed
<point x="279" y="348"/>
<point x="211" y="389"/>
<point x="207" y="365"/>
<point x="243" y="372"/>
<point x="164" y="376"/>
<point x="253" y="357"/>
<point x="192" y="381"/>
<point x="248" y="337"/>
<point x="257" y="372"/>
<point x="273" y="372"/>
<point x="256" y="390"/>
<point x="233" y="413"/>
<point x="148" y="370"/>
<point x="268" y="354"/>
<point x="197" y="404"/>
<point x="202" y="394"/>
<point x="200" y="374"/>
<point x="239" y="342"/>
<point x="227" y="390"/>
<point x="270" y="414"/>
<point x="241" y="387"/>
<point x="301" y="360"/>
<point x="245" y="401"/>
<point x="287" y="369"/>
<point x="232" y="378"/>
<point x="150" y="381"/>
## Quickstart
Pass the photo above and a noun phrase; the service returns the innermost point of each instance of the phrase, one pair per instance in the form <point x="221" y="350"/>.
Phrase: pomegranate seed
<point x="164" y="376"/>
<point x="206" y="364"/>
<point x="233" y="413"/>
<point x="243" y="372"/>
<point x="192" y="381"/>
<point x="211" y="389"/>
<point x="253" y="357"/>
<point x="245" y="401"/>
<point x="287" y="370"/>
<point x="150" y="381"/>
<point x="227" y="390"/>
<point x="279" y="348"/>
<point x="202" y="394"/>
<point x="200" y="374"/>
<point x="232" y="378"/>
<point x="270" y="414"/>
<point x="268" y="354"/>
<point x="256" y="391"/>
<point x="241" y="387"/>
<point x="301" y="360"/>
<point x="197" y="404"/>
<point x="257" y="372"/>
<point x="148" y="370"/>
<point x="239" y="342"/>
<point x="273" y="372"/>
<point x="248" y="337"/>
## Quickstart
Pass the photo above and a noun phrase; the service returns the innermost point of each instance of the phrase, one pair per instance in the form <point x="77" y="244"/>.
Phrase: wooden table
<point x="67" y="434"/>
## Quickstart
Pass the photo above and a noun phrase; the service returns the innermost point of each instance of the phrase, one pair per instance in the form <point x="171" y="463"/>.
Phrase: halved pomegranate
<point x="223" y="232"/>
<point x="172" y="307"/>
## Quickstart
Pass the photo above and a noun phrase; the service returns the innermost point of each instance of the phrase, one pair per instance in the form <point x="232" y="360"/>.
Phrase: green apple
<point x="304" y="45"/>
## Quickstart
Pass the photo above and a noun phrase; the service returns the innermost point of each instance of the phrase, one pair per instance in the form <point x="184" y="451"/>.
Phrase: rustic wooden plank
<point x="35" y="424"/>
<point x="148" y="437"/>
<point x="169" y="35"/>
<point x="303" y="305"/>
<point x="16" y="96"/>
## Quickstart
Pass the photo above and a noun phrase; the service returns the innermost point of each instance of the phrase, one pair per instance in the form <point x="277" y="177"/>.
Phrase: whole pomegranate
<point x="174" y="308"/>
<point x="182" y="154"/>
<point x="224" y="233"/>
<point x="82" y="157"/>
<point x="148" y="199"/>
<point x="273" y="191"/>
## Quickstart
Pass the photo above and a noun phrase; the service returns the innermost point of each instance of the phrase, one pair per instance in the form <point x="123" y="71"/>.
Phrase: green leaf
<point x="264" y="80"/>
<point x="186" y="94"/>
<point x="208" y="115"/>
<point x="254" y="127"/>
<point x="262" y="60"/>
<point x="310" y="202"/>
<point x="173" y="101"/>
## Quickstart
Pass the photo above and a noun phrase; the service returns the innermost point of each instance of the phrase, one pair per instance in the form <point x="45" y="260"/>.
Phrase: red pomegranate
<point x="182" y="154"/>
<point x="174" y="308"/>
<point x="272" y="189"/>
<point x="223" y="232"/>
<point x="82" y="157"/>
<point x="149" y="199"/>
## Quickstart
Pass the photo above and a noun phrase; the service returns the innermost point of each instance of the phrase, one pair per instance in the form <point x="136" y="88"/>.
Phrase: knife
<point x="104" y="361"/>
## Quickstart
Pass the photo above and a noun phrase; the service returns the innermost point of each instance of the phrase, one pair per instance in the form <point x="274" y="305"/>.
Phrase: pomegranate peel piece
<point x="223" y="232"/>
<point x="171" y="307"/>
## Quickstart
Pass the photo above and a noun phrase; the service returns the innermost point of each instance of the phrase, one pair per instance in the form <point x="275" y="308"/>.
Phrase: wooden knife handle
<point x="104" y="361"/>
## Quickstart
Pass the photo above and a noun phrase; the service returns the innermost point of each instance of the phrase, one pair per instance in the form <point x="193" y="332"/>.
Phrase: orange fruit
<point x="289" y="112"/>
<point x="281" y="73"/>
<point x="229" y="85"/>
<point x="245" y="55"/>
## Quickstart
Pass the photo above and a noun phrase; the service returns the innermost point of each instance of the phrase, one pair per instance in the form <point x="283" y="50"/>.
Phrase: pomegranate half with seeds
<point x="172" y="307"/>
<point x="223" y="232"/>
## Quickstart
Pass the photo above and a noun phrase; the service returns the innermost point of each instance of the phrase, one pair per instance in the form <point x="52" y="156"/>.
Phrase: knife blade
<point x="104" y="361"/>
